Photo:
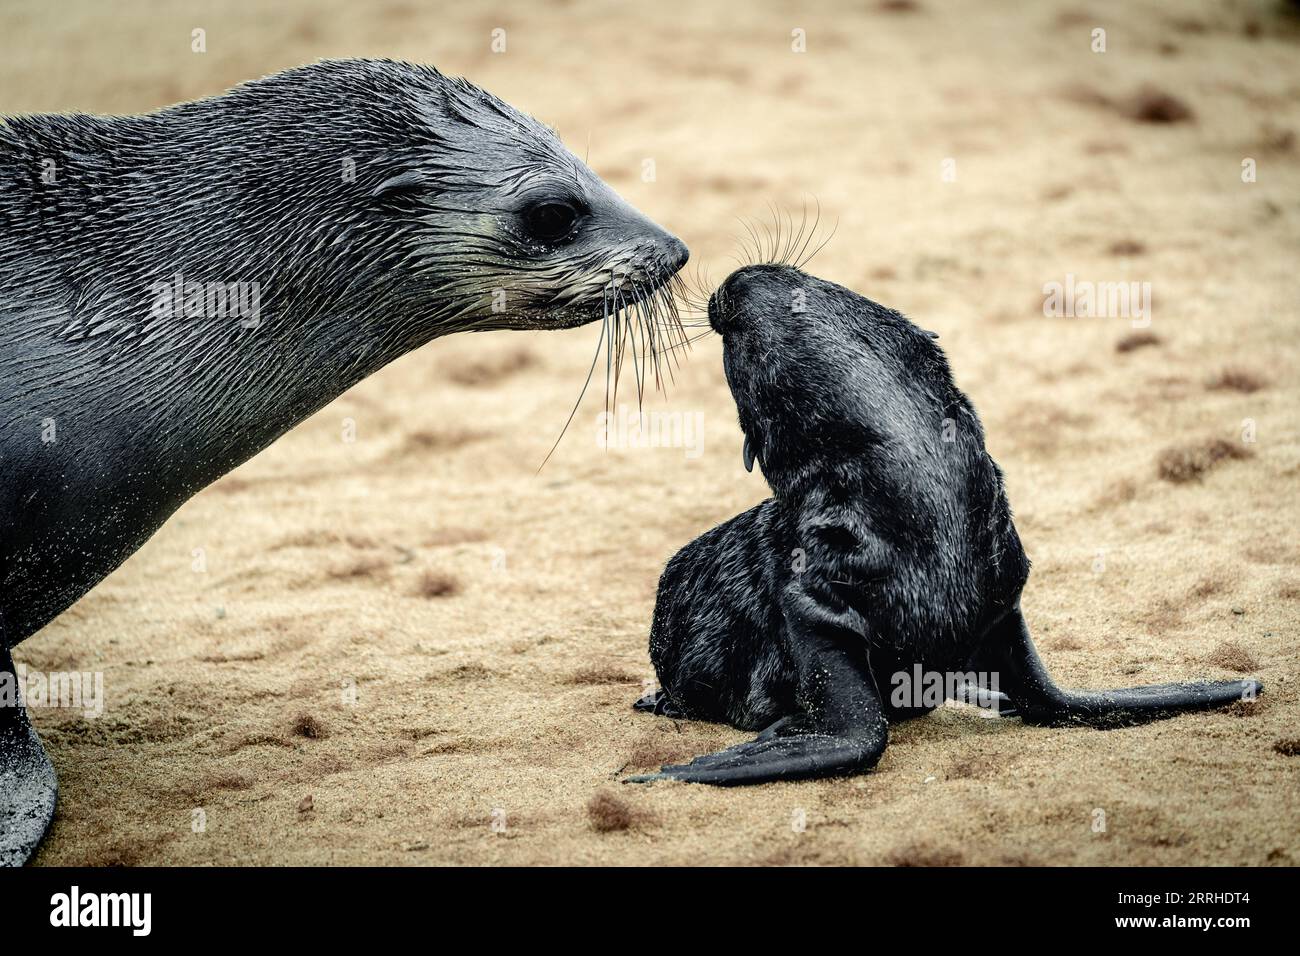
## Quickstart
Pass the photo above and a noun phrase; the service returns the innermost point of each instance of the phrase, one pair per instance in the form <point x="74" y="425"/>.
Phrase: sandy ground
<point x="491" y="623"/>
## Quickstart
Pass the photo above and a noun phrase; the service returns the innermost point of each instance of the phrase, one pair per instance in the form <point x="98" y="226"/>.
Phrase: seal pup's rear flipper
<point x="840" y="729"/>
<point x="660" y="704"/>
<point x="28" y="787"/>
<point x="1010" y="650"/>
<point x="992" y="702"/>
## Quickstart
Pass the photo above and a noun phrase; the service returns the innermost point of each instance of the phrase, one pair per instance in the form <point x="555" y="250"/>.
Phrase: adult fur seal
<point x="888" y="550"/>
<point x="179" y="289"/>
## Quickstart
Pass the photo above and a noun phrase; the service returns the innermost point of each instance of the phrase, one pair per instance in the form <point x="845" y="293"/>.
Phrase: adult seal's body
<point x="887" y="552"/>
<point x="179" y="289"/>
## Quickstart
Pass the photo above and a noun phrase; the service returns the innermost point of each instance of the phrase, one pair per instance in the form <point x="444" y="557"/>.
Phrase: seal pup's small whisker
<point x="783" y="257"/>
<point x="765" y="232"/>
<point x="797" y="237"/>
<point x="694" y="292"/>
<point x="759" y="231"/>
<point x="820" y="246"/>
<point x="811" y="232"/>
<point x="790" y="237"/>
<point x="755" y="256"/>
<point x="786" y="246"/>
<point x="776" y="242"/>
<point x="695" y="338"/>
<point x="775" y="233"/>
<point x="769" y="249"/>
<point x="740" y="239"/>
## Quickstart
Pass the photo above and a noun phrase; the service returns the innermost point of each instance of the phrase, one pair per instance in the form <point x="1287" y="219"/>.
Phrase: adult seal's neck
<point x="261" y="353"/>
<point x="244" y="284"/>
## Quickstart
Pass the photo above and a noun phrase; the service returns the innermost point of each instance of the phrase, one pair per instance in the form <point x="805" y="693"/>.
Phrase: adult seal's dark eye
<point x="551" y="221"/>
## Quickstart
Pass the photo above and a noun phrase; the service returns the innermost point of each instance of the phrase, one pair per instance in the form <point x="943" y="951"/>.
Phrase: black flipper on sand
<point x="28" y="787"/>
<point x="1037" y="700"/>
<point x="841" y="727"/>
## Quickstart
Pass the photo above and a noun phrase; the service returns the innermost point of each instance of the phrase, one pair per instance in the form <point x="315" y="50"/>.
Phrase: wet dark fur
<point x="889" y="543"/>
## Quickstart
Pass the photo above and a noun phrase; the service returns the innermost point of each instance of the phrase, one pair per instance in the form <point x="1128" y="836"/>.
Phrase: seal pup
<point x="887" y="551"/>
<point x="179" y="289"/>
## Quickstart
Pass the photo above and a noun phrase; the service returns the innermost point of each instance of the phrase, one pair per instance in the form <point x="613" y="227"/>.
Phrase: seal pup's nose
<point x="717" y="321"/>
<point x="728" y="301"/>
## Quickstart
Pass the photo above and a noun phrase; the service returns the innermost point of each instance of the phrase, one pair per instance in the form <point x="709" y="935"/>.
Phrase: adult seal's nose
<point x="677" y="253"/>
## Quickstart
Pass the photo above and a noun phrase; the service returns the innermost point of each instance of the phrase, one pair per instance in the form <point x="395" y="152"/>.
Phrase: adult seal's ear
<point x="749" y="454"/>
<point x="408" y="181"/>
<point x="28" y="787"/>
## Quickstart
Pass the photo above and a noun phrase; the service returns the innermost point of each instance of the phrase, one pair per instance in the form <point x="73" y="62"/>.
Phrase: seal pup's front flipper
<point x="793" y="748"/>
<point x="28" y="787"/>
<point x="1010" y="650"/>
<point x="839" y="730"/>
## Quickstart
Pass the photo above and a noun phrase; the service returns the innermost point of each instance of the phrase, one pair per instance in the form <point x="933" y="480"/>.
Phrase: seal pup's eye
<point x="551" y="220"/>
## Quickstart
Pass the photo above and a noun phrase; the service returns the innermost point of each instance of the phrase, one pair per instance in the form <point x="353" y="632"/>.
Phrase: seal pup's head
<point x="827" y="381"/>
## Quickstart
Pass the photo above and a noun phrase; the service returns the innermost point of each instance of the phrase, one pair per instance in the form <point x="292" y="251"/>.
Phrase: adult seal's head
<point x="179" y="289"/>
<point x="421" y="202"/>
<point x="885" y="574"/>
<point x="498" y="222"/>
